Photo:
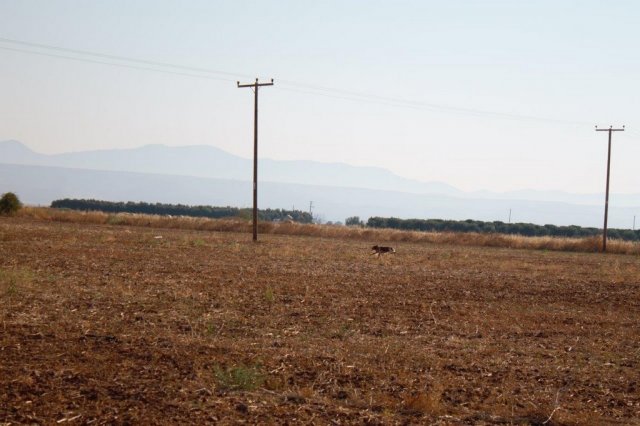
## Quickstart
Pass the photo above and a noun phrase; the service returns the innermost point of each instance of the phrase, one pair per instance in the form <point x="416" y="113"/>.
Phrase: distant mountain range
<point x="208" y="175"/>
<point x="211" y="162"/>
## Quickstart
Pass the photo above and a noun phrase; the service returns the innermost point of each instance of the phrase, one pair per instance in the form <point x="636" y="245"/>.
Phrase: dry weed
<point x="587" y="244"/>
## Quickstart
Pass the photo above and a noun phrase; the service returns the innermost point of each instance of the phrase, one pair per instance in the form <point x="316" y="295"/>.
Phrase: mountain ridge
<point x="213" y="162"/>
<point x="43" y="184"/>
<point x="208" y="161"/>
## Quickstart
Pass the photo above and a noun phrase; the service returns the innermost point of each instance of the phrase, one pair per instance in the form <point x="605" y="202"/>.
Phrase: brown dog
<point x="378" y="250"/>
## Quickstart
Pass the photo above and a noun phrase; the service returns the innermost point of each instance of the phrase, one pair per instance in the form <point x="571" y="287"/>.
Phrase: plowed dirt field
<point x="126" y="325"/>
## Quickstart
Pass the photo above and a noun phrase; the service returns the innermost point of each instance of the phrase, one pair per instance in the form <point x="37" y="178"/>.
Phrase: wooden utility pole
<point x="606" y="200"/>
<point x="255" y="87"/>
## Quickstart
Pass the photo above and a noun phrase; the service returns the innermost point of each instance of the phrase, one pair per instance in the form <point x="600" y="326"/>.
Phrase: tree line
<point x="181" y="210"/>
<point x="433" y="225"/>
<point x="525" y="229"/>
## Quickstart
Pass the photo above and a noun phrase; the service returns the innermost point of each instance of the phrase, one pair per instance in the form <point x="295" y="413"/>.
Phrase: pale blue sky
<point x="574" y="62"/>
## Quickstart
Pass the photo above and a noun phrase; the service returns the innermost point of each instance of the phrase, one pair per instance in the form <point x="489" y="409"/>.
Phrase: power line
<point x="421" y="106"/>
<point x="633" y="133"/>
<point x="122" y="58"/>
<point x="395" y="101"/>
<point x="92" y="61"/>
<point x="331" y="92"/>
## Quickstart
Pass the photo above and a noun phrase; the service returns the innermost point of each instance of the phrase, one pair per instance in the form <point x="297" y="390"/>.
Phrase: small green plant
<point x="198" y="242"/>
<point x="242" y="377"/>
<point x="11" y="281"/>
<point x="9" y="204"/>
<point x="12" y="289"/>
<point x="343" y="332"/>
<point x="210" y="328"/>
<point x="269" y="295"/>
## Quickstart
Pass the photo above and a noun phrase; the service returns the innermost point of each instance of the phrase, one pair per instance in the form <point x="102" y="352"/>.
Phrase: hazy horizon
<point x="497" y="97"/>
<point x="247" y="178"/>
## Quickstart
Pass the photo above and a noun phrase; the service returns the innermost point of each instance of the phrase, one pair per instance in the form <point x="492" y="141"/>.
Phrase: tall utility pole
<point x="606" y="200"/>
<point x="255" y="152"/>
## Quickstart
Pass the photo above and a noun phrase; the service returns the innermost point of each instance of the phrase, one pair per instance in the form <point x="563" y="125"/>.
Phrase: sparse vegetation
<point x="269" y="295"/>
<point x="104" y="324"/>
<point x="14" y="281"/>
<point x="198" y="242"/>
<point x="586" y="244"/>
<point x="239" y="378"/>
<point x="9" y="204"/>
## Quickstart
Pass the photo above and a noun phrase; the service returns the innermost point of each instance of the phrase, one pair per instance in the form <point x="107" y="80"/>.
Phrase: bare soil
<point x="108" y="324"/>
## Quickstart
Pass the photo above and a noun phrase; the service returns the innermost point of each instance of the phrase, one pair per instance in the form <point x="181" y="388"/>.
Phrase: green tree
<point x="9" y="204"/>
<point x="353" y="221"/>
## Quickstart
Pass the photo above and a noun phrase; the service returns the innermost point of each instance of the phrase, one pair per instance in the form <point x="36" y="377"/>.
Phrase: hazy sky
<point x="446" y="89"/>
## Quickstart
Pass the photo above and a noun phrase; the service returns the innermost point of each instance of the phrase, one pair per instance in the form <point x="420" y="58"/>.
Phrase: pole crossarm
<point x="255" y="86"/>
<point x="606" y="200"/>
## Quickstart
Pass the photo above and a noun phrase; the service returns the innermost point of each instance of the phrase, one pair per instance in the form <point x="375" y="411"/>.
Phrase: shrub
<point x="9" y="204"/>
<point x="243" y="378"/>
<point x="353" y="221"/>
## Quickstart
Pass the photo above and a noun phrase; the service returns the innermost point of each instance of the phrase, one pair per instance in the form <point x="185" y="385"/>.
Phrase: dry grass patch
<point x="587" y="244"/>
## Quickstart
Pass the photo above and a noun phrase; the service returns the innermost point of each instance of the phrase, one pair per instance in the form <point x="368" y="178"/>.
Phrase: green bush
<point x="353" y="221"/>
<point x="242" y="377"/>
<point x="9" y="204"/>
